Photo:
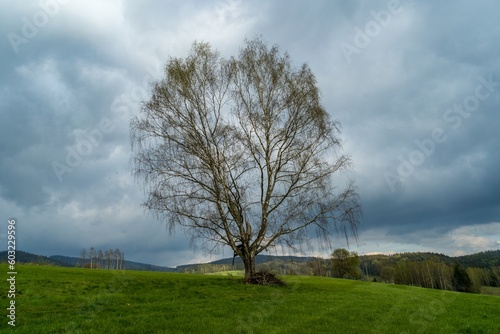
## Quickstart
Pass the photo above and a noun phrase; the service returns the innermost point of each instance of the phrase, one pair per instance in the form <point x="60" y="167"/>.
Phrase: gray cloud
<point x="75" y="65"/>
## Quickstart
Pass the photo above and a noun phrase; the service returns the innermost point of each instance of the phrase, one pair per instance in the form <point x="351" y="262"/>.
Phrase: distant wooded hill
<point x="68" y="261"/>
<point x="487" y="259"/>
<point x="282" y="264"/>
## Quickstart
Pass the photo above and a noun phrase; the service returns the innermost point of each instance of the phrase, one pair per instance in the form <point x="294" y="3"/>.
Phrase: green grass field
<point x="62" y="300"/>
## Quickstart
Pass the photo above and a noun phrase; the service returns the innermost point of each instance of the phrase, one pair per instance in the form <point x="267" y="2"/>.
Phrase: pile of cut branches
<point x="264" y="278"/>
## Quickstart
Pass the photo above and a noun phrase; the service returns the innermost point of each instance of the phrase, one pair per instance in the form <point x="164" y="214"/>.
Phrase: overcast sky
<point x="415" y="84"/>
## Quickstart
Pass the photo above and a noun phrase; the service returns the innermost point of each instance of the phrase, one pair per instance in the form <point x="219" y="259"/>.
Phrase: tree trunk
<point x="249" y="262"/>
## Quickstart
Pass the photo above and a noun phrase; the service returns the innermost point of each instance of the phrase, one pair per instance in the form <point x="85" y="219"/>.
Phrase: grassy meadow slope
<point x="71" y="300"/>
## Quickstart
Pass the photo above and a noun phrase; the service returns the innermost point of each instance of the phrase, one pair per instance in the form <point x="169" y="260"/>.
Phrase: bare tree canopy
<point x="241" y="152"/>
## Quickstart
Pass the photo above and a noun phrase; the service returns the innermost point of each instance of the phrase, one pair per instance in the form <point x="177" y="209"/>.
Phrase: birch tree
<point x="91" y="256"/>
<point x="109" y="258"/>
<point x="241" y="152"/>
<point x="83" y="255"/>
<point x="100" y="256"/>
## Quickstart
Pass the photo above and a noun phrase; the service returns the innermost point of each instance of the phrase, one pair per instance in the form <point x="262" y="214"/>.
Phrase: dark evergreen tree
<point x="461" y="280"/>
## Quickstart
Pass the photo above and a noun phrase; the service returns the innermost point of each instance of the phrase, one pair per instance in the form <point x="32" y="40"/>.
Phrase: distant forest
<point x="430" y="270"/>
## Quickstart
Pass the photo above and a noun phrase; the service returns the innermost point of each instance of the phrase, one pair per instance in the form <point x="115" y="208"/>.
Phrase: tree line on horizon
<point x="97" y="259"/>
<point x="436" y="271"/>
<point x="428" y="270"/>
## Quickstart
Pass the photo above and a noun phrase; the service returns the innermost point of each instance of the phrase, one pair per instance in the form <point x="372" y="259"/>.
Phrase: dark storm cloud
<point x="392" y="72"/>
<point x="448" y="188"/>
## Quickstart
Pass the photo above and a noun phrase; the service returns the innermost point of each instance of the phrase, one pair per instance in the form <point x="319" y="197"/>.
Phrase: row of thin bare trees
<point x="109" y="259"/>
